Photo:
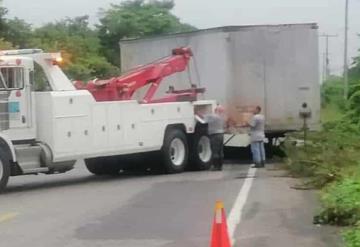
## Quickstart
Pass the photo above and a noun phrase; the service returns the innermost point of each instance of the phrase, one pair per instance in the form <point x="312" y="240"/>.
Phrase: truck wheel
<point x="175" y="151"/>
<point x="4" y="170"/>
<point x="94" y="166"/>
<point x="103" y="166"/>
<point x="110" y="166"/>
<point x="201" y="151"/>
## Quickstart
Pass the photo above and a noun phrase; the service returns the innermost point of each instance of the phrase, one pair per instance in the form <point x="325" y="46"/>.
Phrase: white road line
<point x="234" y="217"/>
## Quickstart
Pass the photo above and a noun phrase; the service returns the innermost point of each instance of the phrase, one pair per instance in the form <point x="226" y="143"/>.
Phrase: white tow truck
<point x="47" y="122"/>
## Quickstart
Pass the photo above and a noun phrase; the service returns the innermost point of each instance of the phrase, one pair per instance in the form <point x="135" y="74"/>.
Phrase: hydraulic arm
<point x="124" y="87"/>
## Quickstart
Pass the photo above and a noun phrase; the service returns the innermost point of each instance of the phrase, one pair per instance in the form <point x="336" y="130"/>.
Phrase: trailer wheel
<point x="4" y="170"/>
<point x="175" y="151"/>
<point x="201" y="151"/>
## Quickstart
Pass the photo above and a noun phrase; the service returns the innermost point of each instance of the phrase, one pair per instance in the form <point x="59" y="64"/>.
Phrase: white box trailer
<point x="273" y="66"/>
<point x="46" y="129"/>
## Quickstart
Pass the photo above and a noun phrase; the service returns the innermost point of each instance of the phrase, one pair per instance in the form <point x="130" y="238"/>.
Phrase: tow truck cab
<point x="25" y="74"/>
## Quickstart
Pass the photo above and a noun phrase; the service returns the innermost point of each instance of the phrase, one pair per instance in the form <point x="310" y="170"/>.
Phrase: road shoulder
<point x="277" y="215"/>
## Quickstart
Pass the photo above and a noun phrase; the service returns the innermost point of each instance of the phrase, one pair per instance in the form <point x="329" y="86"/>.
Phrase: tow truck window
<point x="13" y="77"/>
<point x="39" y="80"/>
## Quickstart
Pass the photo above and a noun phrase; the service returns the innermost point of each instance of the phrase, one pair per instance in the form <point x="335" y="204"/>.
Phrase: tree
<point x="354" y="71"/>
<point x="14" y="33"/>
<point x="135" y="19"/>
<point x="5" y="45"/>
<point x="79" y="45"/>
<point x="3" y="12"/>
<point x="18" y="32"/>
<point x="354" y="93"/>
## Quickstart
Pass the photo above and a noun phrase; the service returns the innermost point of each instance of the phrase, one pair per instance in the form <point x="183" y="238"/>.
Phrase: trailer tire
<point x="4" y="170"/>
<point x="175" y="151"/>
<point x="201" y="153"/>
<point x="269" y="149"/>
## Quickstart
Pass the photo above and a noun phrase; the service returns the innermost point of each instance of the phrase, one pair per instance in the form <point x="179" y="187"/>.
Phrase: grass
<point x="330" y="113"/>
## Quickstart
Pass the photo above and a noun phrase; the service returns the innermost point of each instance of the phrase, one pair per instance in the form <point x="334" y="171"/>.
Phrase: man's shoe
<point x="262" y="164"/>
<point x="256" y="166"/>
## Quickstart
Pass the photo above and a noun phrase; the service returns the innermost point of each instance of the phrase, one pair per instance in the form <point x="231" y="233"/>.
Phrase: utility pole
<point x="327" y="59"/>
<point x="346" y="68"/>
<point x="324" y="68"/>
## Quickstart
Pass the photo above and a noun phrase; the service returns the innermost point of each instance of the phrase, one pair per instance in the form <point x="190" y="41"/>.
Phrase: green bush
<point x="352" y="237"/>
<point x="341" y="203"/>
<point x="327" y="156"/>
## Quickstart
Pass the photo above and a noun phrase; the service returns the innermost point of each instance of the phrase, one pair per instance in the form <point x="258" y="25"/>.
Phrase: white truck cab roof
<point x="48" y="62"/>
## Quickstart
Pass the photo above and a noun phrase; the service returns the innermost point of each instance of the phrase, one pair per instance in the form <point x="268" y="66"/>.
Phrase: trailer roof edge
<point x="233" y="28"/>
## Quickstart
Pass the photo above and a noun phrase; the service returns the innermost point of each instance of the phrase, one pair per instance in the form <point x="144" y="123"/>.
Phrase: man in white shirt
<point x="257" y="137"/>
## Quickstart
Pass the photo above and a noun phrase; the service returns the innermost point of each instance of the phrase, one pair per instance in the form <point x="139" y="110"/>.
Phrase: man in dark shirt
<point x="216" y="129"/>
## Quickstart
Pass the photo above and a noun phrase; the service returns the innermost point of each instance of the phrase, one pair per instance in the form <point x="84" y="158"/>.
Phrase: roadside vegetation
<point x="330" y="158"/>
<point x="92" y="51"/>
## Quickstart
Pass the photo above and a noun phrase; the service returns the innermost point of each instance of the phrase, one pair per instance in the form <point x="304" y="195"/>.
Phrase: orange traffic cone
<point x="220" y="235"/>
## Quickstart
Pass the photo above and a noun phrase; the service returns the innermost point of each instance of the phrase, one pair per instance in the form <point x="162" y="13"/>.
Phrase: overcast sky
<point x="329" y="14"/>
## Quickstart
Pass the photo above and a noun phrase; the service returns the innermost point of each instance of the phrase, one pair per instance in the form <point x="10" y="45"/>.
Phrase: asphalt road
<point x="78" y="209"/>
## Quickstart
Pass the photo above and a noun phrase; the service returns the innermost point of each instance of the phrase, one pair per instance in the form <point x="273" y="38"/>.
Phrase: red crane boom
<point x="124" y="87"/>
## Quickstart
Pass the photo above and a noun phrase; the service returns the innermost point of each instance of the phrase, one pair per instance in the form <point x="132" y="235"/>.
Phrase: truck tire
<point x="94" y="166"/>
<point x="200" y="156"/>
<point x="111" y="166"/>
<point x="175" y="151"/>
<point x="4" y="170"/>
<point x="103" y="166"/>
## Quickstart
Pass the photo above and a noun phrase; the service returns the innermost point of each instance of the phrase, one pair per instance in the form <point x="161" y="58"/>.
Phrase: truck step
<point x="28" y="158"/>
<point x="37" y="170"/>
